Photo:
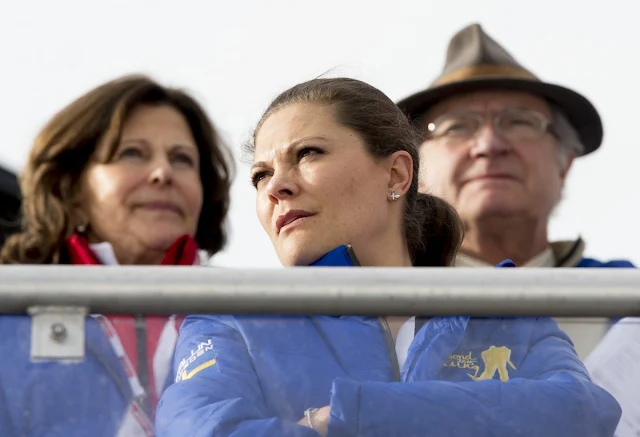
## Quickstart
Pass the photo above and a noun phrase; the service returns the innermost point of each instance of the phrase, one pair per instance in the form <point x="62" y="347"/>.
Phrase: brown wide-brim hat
<point x="476" y="62"/>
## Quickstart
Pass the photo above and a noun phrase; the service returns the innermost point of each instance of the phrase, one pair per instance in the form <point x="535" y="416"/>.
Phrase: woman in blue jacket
<point x="336" y="162"/>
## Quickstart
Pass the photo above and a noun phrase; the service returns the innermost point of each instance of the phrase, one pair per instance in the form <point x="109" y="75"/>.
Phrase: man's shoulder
<point x="571" y="254"/>
<point x="616" y="263"/>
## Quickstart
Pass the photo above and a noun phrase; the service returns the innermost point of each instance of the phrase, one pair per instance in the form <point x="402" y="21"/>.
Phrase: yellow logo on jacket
<point x="495" y="360"/>
<point x="184" y="372"/>
<point x="184" y="376"/>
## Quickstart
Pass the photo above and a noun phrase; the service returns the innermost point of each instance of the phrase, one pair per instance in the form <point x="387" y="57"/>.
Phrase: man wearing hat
<point x="10" y="199"/>
<point x="498" y="145"/>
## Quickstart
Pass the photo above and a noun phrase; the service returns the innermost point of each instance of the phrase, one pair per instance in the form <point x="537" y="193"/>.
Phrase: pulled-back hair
<point x="65" y="146"/>
<point x="432" y="227"/>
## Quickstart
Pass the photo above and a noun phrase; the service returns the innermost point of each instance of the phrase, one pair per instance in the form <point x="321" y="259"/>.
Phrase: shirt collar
<point x="544" y="259"/>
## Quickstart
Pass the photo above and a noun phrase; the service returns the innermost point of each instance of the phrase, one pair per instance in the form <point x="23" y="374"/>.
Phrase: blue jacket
<point x="590" y="262"/>
<point x="255" y="376"/>
<point x="53" y="399"/>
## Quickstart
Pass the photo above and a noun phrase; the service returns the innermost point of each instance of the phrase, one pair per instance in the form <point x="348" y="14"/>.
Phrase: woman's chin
<point x="300" y="256"/>
<point x="161" y="241"/>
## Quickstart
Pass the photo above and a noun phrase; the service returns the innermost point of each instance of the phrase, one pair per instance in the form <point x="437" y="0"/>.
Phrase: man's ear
<point x="400" y="172"/>
<point x="565" y="165"/>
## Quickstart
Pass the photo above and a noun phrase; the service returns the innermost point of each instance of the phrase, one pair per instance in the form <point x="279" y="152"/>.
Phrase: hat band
<point x="484" y="71"/>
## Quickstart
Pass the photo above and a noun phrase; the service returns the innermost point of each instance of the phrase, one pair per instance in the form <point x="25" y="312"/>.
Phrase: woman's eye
<point x="130" y="152"/>
<point x="308" y="151"/>
<point x="183" y="158"/>
<point x="257" y="177"/>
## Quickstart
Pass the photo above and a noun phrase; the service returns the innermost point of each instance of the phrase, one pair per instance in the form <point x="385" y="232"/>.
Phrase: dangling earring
<point x="393" y="196"/>
<point x="81" y="229"/>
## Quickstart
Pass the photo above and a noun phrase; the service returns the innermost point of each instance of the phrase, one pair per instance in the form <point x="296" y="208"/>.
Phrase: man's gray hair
<point x="568" y="138"/>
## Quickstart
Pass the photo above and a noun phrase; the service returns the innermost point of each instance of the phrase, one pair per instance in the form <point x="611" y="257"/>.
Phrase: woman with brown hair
<point x="335" y="167"/>
<point x="131" y="173"/>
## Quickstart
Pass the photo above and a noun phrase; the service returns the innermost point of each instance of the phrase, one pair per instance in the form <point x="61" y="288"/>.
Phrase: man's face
<point x="491" y="154"/>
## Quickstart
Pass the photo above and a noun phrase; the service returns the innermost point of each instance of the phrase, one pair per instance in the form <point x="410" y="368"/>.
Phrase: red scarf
<point x="184" y="252"/>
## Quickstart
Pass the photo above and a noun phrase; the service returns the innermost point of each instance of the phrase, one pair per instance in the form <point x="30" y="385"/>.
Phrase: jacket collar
<point x="344" y="256"/>
<point x="341" y="256"/>
<point x="562" y="254"/>
<point x="183" y="252"/>
<point x="568" y="253"/>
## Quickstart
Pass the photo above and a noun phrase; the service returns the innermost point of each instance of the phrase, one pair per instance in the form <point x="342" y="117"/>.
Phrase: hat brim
<point x="582" y="115"/>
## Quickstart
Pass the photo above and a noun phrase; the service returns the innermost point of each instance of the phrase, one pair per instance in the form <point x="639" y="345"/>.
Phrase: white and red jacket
<point x="144" y="344"/>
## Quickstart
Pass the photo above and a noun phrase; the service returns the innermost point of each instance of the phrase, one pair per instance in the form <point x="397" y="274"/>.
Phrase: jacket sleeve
<point x="217" y="392"/>
<point x="557" y="398"/>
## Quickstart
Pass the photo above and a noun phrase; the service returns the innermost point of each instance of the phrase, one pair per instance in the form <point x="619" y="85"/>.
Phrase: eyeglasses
<point x="511" y="124"/>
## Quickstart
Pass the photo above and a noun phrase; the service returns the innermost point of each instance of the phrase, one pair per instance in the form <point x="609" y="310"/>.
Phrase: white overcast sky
<point x="235" y="56"/>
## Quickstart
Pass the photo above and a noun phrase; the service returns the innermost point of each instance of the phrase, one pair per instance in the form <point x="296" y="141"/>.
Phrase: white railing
<point x="60" y="297"/>
<point x="369" y="291"/>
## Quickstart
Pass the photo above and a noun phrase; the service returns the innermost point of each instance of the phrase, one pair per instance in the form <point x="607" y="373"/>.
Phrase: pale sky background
<point x="235" y="56"/>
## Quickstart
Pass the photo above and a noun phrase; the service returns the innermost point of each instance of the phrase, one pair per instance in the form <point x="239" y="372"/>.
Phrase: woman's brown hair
<point x="433" y="228"/>
<point x="68" y="142"/>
